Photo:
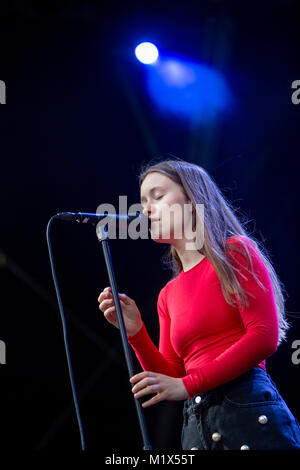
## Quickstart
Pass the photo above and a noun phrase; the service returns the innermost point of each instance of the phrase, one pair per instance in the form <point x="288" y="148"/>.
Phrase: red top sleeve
<point x="256" y="326"/>
<point x="165" y="360"/>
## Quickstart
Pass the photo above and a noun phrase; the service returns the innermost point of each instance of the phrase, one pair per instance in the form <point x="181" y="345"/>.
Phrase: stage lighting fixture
<point x="146" y="52"/>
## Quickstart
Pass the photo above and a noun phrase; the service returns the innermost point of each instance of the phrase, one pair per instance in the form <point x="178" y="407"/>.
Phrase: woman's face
<point x="166" y="205"/>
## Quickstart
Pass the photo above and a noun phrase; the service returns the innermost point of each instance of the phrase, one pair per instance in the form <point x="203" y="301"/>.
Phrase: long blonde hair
<point x="220" y="223"/>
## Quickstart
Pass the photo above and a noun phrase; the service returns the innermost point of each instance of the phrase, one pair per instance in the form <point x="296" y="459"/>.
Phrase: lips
<point x="152" y="221"/>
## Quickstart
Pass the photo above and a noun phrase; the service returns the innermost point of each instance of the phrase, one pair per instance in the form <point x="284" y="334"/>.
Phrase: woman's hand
<point x="165" y="387"/>
<point x="131" y="314"/>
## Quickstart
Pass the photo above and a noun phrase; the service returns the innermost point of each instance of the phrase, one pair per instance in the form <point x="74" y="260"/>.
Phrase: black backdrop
<point x="75" y="129"/>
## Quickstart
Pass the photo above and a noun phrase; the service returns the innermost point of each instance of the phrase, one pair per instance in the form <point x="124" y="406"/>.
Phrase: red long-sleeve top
<point x="203" y="340"/>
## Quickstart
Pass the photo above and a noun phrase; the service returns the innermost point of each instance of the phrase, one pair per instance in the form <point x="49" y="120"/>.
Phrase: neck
<point x="188" y="258"/>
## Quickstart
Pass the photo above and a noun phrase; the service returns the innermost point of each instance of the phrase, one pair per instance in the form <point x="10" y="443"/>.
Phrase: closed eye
<point x="156" y="198"/>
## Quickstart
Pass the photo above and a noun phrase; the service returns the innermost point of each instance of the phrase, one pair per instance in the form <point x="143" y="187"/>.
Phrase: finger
<point x="108" y="295"/>
<point x="145" y="383"/>
<point x="105" y="290"/>
<point x="110" y="310"/>
<point x="107" y="303"/>
<point x="154" y="388"/>
<point x="142" y="375"/>
<point x="125" y="299"/>
<point x="110" y="315"/>
<point x="104" y="294"/>
<point x="103" y="306"/>
<point x="153" y="401"/>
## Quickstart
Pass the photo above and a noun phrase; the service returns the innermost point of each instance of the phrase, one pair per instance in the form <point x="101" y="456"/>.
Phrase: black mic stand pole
<point x="102" y="236"/>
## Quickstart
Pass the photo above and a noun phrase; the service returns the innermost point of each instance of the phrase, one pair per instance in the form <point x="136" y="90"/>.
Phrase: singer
<point x="221" y="315"/>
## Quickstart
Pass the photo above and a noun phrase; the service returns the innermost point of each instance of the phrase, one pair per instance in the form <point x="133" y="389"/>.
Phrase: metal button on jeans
<point x="263" y="419"/>
<point x="245" y="447"/>
<point x="198" y="399"/>
<point x="216" y="436"/>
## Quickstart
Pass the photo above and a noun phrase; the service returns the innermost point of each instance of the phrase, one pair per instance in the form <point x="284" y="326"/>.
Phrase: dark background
<point x="76" y="128"/>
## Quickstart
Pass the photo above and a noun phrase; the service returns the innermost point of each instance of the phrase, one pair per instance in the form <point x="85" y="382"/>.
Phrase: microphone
<point x="121" y="220"/>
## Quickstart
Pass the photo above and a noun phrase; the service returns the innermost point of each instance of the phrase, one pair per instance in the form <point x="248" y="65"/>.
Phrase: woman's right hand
<point x="131" y="314"/>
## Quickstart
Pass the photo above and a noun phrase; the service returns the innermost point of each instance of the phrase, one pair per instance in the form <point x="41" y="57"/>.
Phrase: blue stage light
<point x="188" y="90"/>
<point x="146" y="52"/>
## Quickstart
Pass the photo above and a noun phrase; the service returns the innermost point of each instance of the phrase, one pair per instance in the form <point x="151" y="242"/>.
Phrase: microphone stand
<point x="103" y="238"/>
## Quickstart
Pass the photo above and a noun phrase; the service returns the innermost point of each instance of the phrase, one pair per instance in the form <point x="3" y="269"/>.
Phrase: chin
<point x="159" y="239"/>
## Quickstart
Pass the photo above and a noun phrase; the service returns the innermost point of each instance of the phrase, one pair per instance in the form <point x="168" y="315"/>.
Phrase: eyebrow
<point x="152" y="191"/>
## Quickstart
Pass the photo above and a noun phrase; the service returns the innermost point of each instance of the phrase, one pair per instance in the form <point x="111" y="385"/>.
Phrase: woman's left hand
<point x="166" y="388"/>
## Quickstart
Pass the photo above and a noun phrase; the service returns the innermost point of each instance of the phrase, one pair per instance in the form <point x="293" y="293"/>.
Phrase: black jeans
<point x="243" y="414"/>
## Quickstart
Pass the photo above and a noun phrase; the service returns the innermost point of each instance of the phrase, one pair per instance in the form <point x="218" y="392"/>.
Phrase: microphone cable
<point x="65" y="336"/>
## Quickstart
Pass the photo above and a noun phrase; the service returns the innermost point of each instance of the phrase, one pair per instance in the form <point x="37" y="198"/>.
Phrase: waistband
<point x="209" y="396"/>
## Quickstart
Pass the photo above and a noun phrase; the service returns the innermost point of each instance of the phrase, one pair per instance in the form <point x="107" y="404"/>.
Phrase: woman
<point x="220" y="316"/>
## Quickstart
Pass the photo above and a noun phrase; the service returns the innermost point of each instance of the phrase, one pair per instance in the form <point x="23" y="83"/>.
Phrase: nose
<point x="146" y="211"/>
<point x="150" y="209"/>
